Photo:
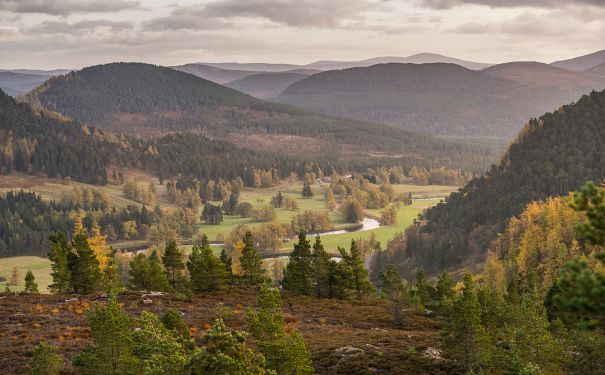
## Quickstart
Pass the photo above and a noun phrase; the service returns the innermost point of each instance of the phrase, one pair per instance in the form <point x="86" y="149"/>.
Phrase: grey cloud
<point x="61" y="27"/>
<point x="65" y="7"/>
<point x="297" y="13"/>
<point x="446" y="4"/>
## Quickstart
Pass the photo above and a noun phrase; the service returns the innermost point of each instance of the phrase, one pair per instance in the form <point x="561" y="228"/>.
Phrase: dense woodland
<point x="553" y="155"/>
<point x="146" y="99"/>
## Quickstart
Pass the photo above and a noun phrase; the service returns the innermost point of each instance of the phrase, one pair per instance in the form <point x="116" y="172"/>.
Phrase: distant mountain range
<point x="444" y="99"/>
<point x="421" y="58"/>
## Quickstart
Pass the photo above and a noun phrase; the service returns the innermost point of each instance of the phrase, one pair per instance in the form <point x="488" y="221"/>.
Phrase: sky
<point x="50" y="34"/>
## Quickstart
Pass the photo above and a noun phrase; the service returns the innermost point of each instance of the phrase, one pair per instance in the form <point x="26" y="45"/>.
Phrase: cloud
<point x="86" y="26"/>
<point x="296" y="13"/>
<point x="66" y="7"/>
<point x="447" y="4"/>
<point x="550" y="24"/>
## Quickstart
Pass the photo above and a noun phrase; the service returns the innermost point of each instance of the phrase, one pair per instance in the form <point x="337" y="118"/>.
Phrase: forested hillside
<point x="145" y="99"/>
<point x="434" y="98"/>
<point x="553" y="155"/>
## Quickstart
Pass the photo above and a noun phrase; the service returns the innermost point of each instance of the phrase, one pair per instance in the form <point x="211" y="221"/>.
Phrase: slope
<point x="265" y="85"/>
<point x="552" y="156"/>
<point x="537" y="74"/>
<point x="444" y="99"/>
<point x="144" y="99"/>
<point x="212" y="73"/>
<point x="582" y="62"/>
<point x="19" y="83"/>
<point x="599" y="69"/>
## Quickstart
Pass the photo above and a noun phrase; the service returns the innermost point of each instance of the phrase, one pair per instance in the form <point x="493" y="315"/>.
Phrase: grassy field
<point x="54" y="189"/>
<point x="39" y="266"/>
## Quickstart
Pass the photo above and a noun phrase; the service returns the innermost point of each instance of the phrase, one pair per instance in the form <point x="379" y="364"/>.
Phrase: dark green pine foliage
<point x="212" y="214"/>
<point x="464" y="334"/>
<point x="206" y="271"/>
<point x="61" y="273"/>
<point x="112" y="350"/>
<point x="298" y="274"/>
<point x="84" y="266"/>
<point x="394" y="288"/>
<point x="174" y="266"/>
<point x="307" y="192"/>
<point x="320" y="268"/>
<point x="30" y="283"/>
<point x="359" y="281"/>
<point x="227" y="261"/>
<point x="147" y="273"/>
<point x="552" y="155"/>
<point x="251" y="263"/>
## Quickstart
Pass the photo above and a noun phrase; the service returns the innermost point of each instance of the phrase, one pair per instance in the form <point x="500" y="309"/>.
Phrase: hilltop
<point x="552" y="156"/>
<point x="442" y="99"/>
<point x="144" y="99"/>
<point x="582" y="62"/>
<point x="265" y="85"/>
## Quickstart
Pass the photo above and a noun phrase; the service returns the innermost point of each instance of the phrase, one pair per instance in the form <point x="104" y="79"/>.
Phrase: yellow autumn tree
<point x="98" y="245"/>
<point x="236" y="265"/>
<point x="78" y="226"/>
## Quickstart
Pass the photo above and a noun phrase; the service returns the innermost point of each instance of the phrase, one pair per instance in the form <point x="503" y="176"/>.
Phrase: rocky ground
<point x="344" y="337"/>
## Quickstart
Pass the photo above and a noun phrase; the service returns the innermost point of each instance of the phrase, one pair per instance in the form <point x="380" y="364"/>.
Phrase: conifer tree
<point x="225" y="353"/>
<point x="330" y="200"/>
<point x="464" y="335"/>
<point x="285" y="353"/>
<point x="30" y="284"/>
<point x="227" y="261"/>
<point x="359" y="275"/>
<point x="394" y="288"/>
<point x="158" y="348"/>
<point x="84" y="266"/>
<point x="112" y="350"/>
<point x="298" y="274"/>
<point x="158" y="281"/>
<point x="14" y="279"/>
<point x="46" y="360"/>
<point x="61" y="274"/>
<point x="424" y="290"/>
<point x="111" y="280"/>
<point x="139" y="273"/>
<point x="307" y="192"/>
<point x="206" y="271"/>
<point x="251" y="262"/>
<point x="320" y="267"/>
<point x="174" y="266"/>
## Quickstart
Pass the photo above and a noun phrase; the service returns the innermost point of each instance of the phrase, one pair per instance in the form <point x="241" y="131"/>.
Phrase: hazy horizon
<point x="44" y="34"/>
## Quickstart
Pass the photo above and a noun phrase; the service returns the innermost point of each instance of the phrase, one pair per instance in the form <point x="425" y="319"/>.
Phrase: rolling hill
<point x="145" y="99"/>
<point x="599" y="69"/>
<point x="444" y="99"/>
<point x="212" y="73"/>
<point x="552" y="156"/>
<point x="582" y="62"/>
<point x="265" y="85"/>
<point x="535" y="74"/>
<point x="19" y="83"/>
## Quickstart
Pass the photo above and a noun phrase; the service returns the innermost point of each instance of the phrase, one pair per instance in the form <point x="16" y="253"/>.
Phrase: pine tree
<point x="46" y="360"/>
<point x="173" y="320"/>
<point x="307" y="192"/>
<point x="112" y="350"/>
<point x="444" y="290"/>
<point x="174" y="266"/>
<point x="424" y="290"/>
<point x="60" y="273"/>
<point x="285" y="353"/>
<point x="320" y="265"/>
<point x="464" y="335"/>
<point x="227" y="261"/>
<point x="157" y="281"/>
<point x="111" y="280"/>
<point x="84" y="266"/>
<point x="225" y="353"/>
<point x="160" y="349"/>
<point x="251" y="262"/>
<point x="394" y="288"/>
<point x="298" y="275"/>
<point x="359" y="275"/>
<point x="30" y="284"/>
<point x="139" y="273"/>
<point x="206" y="271"/>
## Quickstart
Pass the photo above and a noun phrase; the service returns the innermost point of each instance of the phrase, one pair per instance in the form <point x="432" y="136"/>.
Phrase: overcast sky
<point x="47" y="34"/>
